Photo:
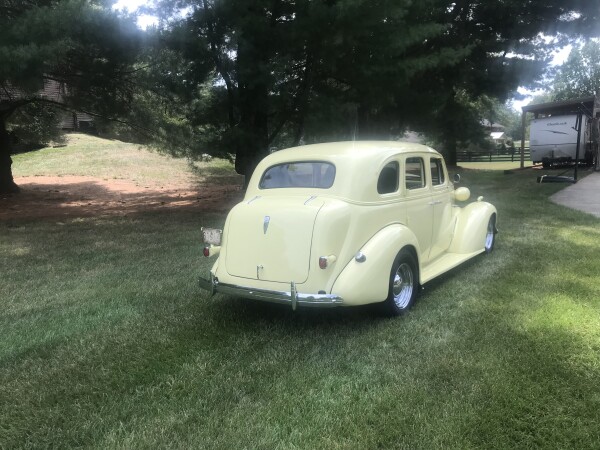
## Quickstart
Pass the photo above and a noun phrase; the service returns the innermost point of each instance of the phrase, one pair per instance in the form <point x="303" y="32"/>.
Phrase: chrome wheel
<point x="490" y="235"/>
<point x="403" y="286"/>
<point x="404" y="280"/>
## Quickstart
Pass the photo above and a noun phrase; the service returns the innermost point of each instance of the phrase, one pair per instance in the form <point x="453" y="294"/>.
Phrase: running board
<point x="445" y="263"/>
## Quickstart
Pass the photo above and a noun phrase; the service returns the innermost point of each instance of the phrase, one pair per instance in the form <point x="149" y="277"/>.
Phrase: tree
<point x="34" y="125"/>
<point x="282" y="71"/>
<point x="579" y="75"/>
<point x="79" y="44"/>
<point x="277" y="67"/>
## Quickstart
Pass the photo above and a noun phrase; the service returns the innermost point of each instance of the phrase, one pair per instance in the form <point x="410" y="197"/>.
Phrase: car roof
<point x="342" y="150"/>
<point x="358" y="164"/>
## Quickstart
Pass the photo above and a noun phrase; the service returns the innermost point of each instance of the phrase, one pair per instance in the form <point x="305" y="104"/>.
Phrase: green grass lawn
<point x="106" y="340"/>
<point x="87" y="155"/>
<point x="495" y="165"/>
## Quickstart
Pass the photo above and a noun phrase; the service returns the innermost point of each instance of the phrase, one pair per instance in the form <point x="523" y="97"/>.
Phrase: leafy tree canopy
<point x="258" y="73"/>
<point x="79" y="44"/>
<point x="579" y="75"/>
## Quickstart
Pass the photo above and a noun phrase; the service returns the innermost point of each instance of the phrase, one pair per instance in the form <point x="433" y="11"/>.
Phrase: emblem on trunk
<point x="266" y="224"/>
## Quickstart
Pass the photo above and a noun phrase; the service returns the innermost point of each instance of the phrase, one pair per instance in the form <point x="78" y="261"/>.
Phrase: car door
<point x="419" y="211"/>
<point x="441" y="202"/>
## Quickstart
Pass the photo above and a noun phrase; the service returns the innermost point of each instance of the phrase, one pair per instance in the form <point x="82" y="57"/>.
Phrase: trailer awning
<point x="584" y="104"/>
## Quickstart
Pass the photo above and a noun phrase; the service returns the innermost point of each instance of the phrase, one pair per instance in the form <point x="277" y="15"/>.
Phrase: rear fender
<point x="368" y="281"/>
<point x="471" y="228"/>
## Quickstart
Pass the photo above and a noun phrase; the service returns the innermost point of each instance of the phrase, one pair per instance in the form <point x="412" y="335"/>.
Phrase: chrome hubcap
<point x="403" y="286"/>
<point x="489" y="237"/>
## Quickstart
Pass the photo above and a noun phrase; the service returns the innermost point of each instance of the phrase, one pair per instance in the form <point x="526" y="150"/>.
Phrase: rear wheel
<point x="403" y="284"/>
<point x="490" y="235"/>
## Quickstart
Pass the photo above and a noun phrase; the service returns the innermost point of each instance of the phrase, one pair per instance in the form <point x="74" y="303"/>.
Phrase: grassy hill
<point x="107" y="341"/>
<point x="87" y="155"/>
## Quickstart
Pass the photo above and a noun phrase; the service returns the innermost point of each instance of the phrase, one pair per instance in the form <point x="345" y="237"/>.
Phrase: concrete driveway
<point x="582" y="196"/>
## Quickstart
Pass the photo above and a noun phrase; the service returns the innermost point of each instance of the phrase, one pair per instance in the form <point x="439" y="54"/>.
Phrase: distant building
<point x="497" y="132"/>
<point x="53" y="91"/>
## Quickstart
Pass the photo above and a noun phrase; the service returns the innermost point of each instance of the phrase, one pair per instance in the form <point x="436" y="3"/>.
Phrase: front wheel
<point x="490" y="235"/>
<point x="403" y="284"/>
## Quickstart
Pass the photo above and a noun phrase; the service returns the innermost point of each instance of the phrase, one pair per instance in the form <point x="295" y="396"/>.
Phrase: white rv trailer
<point x="554" y="139"/>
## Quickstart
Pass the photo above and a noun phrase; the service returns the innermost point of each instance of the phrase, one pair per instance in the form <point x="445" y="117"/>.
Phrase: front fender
<point x="368" y="282"/>
<point x="471" y="227"/>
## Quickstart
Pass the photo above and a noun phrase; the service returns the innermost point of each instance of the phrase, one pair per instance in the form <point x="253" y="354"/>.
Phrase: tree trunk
<point x="450" y="126"/>
<point x="254" y="126"/>
<point x="7" y="183"/>
<point x="253" y="142"/>
<point x="450" y="152"/>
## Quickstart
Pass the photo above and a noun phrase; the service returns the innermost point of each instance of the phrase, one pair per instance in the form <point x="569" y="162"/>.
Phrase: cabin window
<point x="304" y="174"/>
<point x="415" y="173"/>
<point x="437" y="172"/>
<point x="388" y="178"/>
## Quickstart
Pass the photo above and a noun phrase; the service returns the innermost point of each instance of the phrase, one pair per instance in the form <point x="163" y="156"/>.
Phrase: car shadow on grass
<point x="255" y="310"/>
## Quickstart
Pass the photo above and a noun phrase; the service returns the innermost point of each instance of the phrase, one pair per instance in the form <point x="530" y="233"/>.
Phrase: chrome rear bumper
<point x="293" y="297"/>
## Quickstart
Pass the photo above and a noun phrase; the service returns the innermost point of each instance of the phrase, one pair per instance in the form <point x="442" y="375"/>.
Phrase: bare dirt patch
<point x="77" y="196"/>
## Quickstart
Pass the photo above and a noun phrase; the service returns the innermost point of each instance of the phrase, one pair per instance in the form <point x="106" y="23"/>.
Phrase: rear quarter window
<point x="388" y="178"/>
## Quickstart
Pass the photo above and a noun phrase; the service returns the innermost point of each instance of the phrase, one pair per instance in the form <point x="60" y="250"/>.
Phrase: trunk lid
<point x="269" y="238"/>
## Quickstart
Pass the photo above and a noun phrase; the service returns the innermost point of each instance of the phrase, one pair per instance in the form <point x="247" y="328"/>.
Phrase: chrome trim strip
<point x="293" y="297"/>
<point x="312" y="197"/>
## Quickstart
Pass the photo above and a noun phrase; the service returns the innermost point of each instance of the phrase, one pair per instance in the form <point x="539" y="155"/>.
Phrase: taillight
<point x="211" y="250"/>
<point x="324" y="261"/>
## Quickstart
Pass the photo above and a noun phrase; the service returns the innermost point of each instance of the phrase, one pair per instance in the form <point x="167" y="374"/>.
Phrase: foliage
<point x="34" y="126"/>
<point x="579" y="75"/>
<point x="107" y="342"/>
<point x="277" y="72"/>
<point x="542" y="97"/>
<point x="79" y="44"/>
<point x="236" y="77"/>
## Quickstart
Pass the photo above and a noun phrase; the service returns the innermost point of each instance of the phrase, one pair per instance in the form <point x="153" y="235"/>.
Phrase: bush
<point x="33" y="126"/>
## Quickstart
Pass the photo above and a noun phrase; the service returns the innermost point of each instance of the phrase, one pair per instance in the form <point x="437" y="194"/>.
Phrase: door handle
<point x="436" y="202"/>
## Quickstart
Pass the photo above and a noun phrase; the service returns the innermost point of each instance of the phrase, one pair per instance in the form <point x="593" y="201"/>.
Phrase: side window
<point x="388" y="178"/>
<point x="437" y="172"/>
<point x="415" y="173"/>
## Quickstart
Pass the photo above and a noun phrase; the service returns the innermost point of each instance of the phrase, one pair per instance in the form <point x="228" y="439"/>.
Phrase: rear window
<point x="305" y="174"/>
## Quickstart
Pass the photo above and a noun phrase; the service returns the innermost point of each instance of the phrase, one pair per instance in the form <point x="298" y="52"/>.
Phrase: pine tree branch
<point x="66" y="108"/>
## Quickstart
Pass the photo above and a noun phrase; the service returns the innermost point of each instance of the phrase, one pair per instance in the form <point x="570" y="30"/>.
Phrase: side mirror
<point x="456" y="178"/>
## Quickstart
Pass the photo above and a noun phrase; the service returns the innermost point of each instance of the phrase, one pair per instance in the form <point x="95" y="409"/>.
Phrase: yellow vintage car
<point x="344" y="224"/>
